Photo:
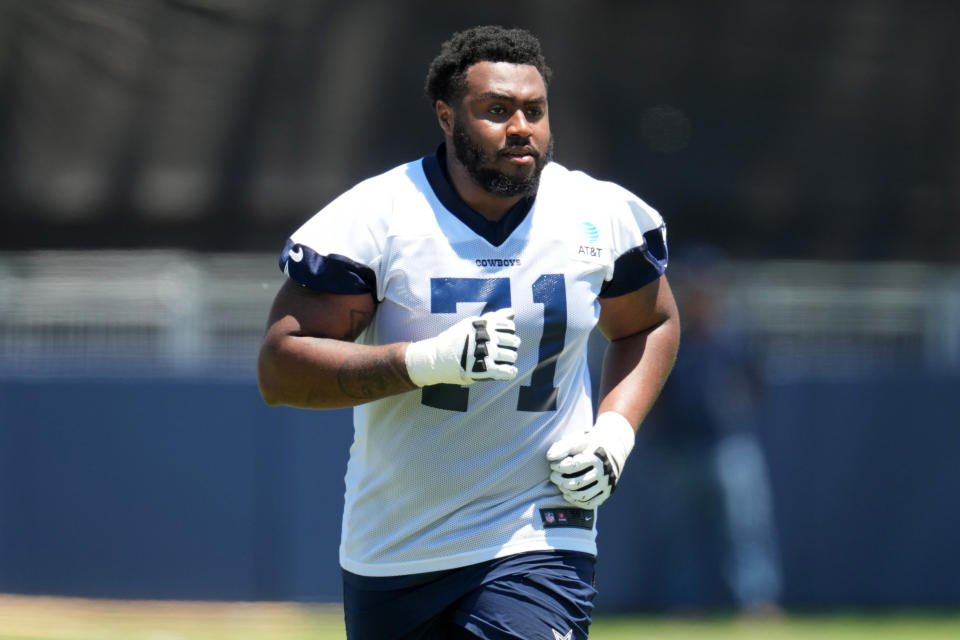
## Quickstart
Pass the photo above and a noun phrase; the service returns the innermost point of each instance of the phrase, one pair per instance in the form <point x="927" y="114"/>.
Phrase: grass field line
<point x="46" y="617"/>
<point x="61" y="618"/>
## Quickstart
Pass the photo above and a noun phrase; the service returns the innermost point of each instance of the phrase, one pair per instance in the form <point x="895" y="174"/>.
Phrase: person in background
<point x="703" y="458"/>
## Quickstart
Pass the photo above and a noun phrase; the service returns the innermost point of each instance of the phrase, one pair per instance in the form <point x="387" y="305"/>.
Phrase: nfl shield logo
<point x="548" y="516"/>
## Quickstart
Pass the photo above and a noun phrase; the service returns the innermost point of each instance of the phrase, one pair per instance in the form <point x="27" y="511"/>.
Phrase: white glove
<point x="587" y="465"/>
<point x="476" y="348"/>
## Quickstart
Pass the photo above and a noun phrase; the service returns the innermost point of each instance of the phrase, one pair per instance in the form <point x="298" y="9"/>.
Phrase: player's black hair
<point x="446" y="78"/>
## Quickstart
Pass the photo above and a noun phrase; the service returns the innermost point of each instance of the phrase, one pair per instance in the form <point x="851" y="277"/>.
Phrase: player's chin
<point x="521" y="176"/>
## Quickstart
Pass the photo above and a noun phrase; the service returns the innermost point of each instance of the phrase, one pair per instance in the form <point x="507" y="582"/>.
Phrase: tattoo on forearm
<point x="359" y="320"/>
<point x="369" y="378"/>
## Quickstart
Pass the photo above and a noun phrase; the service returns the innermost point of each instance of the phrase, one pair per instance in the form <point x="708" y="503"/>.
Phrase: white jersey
<point x="447" y="476"/>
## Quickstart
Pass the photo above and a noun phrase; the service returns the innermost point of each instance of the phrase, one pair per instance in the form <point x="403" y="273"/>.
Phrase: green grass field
<point x="33" y="618"/>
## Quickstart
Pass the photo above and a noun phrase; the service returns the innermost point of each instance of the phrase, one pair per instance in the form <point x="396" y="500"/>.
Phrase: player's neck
<point x="491" y="207"/>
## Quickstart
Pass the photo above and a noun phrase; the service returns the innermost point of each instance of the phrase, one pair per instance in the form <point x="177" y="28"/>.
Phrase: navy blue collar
<point x="496" y="233"/>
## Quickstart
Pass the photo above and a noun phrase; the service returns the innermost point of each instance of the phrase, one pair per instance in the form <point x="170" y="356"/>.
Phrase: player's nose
<point x="518" y="125"/>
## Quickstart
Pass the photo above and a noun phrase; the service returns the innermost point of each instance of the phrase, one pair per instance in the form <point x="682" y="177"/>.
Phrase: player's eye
<point x="534" y="113"/>
<point x="497" y="110"/>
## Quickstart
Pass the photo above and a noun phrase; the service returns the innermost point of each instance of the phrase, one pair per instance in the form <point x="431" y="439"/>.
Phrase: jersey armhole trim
<point x="331" y="273"/>
<point x="639" y="266"/>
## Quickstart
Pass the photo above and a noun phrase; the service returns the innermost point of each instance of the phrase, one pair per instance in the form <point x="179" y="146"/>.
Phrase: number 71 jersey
<point x="449" y="475"/>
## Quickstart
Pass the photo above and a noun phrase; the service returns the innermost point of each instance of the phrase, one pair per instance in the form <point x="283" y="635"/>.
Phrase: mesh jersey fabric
<point x="447" y="476"/>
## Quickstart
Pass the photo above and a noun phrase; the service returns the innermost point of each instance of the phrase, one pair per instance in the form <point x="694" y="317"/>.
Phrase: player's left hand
<point x="586" y="466"/>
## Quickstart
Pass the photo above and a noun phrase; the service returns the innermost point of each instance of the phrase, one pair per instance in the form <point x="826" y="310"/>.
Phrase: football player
<point x="450" y="301"/>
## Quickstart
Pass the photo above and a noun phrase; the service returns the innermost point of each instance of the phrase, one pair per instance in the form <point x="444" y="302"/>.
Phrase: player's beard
<point x="493" y="181"/>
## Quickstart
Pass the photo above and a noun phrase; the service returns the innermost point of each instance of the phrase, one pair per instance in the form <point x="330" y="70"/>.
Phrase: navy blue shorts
<point x="543" y="594"/>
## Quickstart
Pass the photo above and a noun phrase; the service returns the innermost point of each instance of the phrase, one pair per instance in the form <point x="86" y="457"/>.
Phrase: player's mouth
<point x="520" y="155"/>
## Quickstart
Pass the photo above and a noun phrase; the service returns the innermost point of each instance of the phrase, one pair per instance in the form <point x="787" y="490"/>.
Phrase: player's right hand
<point x="476" y="348"/>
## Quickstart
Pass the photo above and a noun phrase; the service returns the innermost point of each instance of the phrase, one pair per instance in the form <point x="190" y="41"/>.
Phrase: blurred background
<point x="155" y="155"/>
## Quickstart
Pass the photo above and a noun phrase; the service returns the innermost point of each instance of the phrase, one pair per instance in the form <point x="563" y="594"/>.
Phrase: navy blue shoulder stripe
<point x="332" y="273"/>
<point x="638" y="267"/>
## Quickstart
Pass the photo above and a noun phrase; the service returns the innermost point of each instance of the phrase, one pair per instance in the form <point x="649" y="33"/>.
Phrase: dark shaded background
<point x="770" y="127"/>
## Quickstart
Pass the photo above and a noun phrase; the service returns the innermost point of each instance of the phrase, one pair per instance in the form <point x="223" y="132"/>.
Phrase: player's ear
<point x="445" y="117"/>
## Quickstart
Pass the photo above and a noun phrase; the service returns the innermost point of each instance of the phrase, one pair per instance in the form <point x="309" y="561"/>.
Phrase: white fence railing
<point x="119" y="313"/>
<point x="133" y="313"/>
<point x="848" y="319"/>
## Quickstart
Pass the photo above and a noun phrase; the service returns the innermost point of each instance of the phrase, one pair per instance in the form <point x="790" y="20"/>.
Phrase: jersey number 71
<point x="550" y="291"/>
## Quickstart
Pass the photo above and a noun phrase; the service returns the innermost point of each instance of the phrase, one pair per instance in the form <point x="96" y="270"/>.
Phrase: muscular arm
<point x="308" y="358"/>
<point x="644" y="332"/>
